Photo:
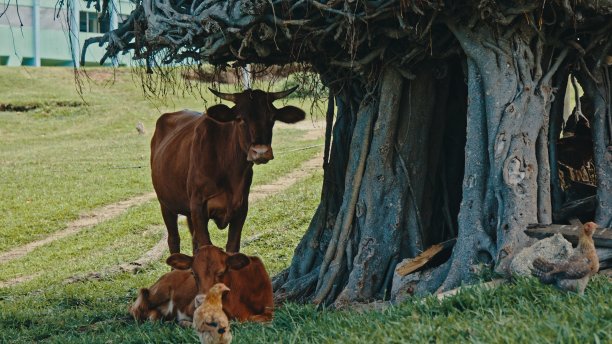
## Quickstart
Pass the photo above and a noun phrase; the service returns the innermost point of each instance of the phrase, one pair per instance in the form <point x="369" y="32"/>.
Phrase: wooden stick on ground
<point x="407" y="267"/>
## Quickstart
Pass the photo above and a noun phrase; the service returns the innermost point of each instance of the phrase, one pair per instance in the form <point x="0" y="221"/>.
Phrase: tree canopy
<point x="339" y="34"/>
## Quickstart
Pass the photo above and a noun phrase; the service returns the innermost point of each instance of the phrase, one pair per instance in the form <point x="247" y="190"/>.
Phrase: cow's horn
<point x="282" y="94"/>
<point x="225" y="96"/>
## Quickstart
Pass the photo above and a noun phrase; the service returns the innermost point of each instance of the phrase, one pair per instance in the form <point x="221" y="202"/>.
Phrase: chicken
<point x="140" y="128"/>
<point x="573" y="274"/>
<point x="209" y="321"/>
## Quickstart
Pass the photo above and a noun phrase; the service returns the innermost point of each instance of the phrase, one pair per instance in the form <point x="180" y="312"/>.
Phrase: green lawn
<point x="71" y="155"/>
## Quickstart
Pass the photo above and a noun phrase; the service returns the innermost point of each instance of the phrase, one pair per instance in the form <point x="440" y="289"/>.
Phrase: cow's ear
<point x="221" y="113"/>
<point x="180" y="261"/>
<point x="237" y="261"/>
<point x="290" y="114"/>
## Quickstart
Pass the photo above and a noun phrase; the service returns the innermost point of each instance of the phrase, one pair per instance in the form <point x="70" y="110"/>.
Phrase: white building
<point x="34" y="33"/>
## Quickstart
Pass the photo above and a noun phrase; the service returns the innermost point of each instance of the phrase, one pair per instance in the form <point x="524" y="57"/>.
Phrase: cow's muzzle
<point x="260" y="154"/>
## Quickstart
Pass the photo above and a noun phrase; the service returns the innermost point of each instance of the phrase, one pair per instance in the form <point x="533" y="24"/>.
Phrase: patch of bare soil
<point x="17" y="280"/>
<point x="95" y="217"/>
<point x="26" y="107"/>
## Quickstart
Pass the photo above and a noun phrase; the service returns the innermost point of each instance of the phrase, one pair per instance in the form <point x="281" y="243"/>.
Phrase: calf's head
<point x="209" y="266"/>
<point x="142" y="310"/>
<point x="256" y="114"/>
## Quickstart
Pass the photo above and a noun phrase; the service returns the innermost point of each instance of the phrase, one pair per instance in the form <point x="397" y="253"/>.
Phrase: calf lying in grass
<point x="250" y="298"/>
<point x="170" y="298"/>
<point x="175" y="296"/>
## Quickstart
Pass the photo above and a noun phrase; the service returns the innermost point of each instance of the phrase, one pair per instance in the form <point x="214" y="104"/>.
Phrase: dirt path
<point x="158" y="251"/>
<point x="286" y="181"/>
<point x="314" y="129"/>
<point x="17" y="280"/>
<point x="95" y="217"/>
<point x="110" y="211"/>
<point x="151" y="256"/>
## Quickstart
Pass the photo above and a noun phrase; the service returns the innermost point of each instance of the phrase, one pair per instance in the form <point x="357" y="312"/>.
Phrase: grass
<point x="46" y="309"/>
<point x="526" y="311"/>
<point x="126" y="237"/>
<point x="60" y="160"/>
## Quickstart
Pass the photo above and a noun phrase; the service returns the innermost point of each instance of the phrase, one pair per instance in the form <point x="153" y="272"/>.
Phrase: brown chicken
<point x="573" y="274"/>
<point x="209" y="320"/>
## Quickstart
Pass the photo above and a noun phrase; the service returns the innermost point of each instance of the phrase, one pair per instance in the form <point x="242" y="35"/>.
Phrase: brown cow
<point x="250" y="296"/>
<point x="170" y="298"/>
<point x="202" y="165"/>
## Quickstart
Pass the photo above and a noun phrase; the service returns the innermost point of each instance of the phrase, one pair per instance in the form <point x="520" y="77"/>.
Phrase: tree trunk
<point x="390" y="195"/>
<point x="597" y="88"/>
<point x="403" y="147"/>
<point x="506" y="153"/>
<point x="394" y="168"/>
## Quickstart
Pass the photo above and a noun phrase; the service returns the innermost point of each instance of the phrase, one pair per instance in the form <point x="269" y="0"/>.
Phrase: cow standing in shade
<point x="202" y="165"/>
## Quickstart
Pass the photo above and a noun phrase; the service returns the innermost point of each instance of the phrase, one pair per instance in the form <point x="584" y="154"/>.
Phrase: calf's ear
<point x="199" y="300"/>
<point x="180" y="261"/>
<point x="290" y="114"/>
<point x="221" y="113"/>
<point x="237" y="261"/>
<point x="144" y="292"/>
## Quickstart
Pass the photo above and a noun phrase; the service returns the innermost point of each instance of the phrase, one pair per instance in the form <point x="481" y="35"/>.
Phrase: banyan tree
<point x="445" y="120"/>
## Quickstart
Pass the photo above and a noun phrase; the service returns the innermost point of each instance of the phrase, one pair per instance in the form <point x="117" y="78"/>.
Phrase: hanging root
<point x="298" y="289"/>
<point x="331" y="266"/>
<point x="479" y="250"/>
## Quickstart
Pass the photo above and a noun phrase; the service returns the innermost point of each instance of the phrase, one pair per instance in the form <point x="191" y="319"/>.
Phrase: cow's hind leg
<point x="170" y="219"/>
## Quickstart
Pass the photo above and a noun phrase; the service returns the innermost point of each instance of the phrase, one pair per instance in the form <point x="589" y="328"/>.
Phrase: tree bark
<point x="506" y="184"/>
<point x="403" y="151"/>
<point x="555" y="125"/>
<point x="395" y="199"/>
<point x="600" y="92"/>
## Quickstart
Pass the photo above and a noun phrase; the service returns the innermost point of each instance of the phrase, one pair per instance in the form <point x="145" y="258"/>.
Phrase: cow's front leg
<point x="235" y="230"/>
<point x="199" y="222"/>
<point x="170" y="218"/>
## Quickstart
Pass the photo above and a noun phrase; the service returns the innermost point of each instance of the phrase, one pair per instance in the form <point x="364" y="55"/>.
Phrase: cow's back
<point x="250" y="297"/>
<point x="170" y="157"/>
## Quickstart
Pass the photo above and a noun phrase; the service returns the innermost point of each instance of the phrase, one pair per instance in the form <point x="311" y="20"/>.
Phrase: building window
<point x="88" y="22"/>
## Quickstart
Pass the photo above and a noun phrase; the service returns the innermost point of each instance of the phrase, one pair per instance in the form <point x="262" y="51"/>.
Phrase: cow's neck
<point x="229" y="159"/>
